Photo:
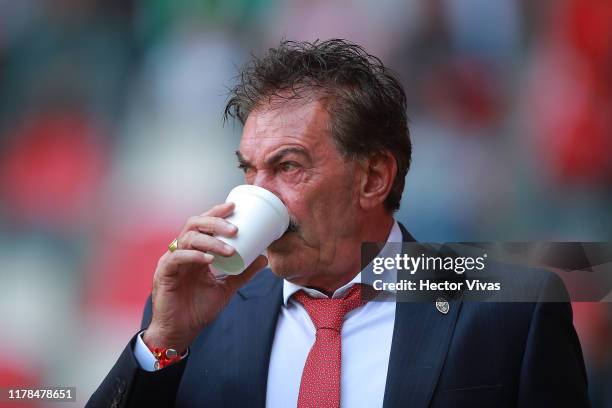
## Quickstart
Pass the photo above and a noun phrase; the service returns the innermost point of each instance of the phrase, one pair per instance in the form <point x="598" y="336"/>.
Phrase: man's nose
<point x="263" y="180"/>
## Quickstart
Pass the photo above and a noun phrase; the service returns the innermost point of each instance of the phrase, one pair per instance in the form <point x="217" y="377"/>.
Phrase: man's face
<point x="289" y="151"/>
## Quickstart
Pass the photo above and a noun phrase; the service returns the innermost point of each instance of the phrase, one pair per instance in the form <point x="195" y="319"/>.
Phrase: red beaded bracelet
<point x="164" y="356"/>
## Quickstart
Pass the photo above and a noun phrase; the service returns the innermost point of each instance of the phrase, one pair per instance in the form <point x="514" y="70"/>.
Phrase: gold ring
<point x="173" y="245"/>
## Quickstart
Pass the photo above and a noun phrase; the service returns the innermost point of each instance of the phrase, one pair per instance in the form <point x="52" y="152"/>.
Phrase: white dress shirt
<point x="366" y="344"/>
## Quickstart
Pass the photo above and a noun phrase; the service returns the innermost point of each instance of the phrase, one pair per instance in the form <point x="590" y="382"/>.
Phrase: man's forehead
<point x="306" y="124"/>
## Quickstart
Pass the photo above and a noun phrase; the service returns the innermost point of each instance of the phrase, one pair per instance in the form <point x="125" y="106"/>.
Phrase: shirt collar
<point x="395" y="235"/>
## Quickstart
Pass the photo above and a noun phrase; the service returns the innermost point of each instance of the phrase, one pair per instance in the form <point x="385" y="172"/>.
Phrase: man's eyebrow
<point x="242" y="161"/>
<point x="276" y="157"/>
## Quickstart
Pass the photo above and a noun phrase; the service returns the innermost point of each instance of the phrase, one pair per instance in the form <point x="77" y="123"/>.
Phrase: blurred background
<point x="111" y="136"/>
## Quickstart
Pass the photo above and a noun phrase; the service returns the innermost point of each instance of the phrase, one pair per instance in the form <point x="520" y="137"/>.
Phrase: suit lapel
<point x="406" y="236"/>
<point x="254" y="327"/>
<point x="421" y="338"/>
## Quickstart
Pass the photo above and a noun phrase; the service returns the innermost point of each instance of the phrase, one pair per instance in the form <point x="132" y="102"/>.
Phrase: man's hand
<point x="186" y="295"/>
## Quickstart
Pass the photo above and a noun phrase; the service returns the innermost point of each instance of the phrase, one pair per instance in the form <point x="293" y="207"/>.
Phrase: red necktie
<point x="320" y="386"/>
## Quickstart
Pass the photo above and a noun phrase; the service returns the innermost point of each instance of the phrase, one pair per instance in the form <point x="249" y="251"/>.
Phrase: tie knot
<point x="327" y="313"/>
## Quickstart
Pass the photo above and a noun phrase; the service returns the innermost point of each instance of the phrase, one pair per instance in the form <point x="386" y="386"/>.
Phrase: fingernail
<point x="228" y="248"/>
<point x="209" y="257"/>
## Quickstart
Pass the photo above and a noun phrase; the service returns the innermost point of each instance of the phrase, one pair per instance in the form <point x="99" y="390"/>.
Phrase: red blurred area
<point x="592" y="325"/>
<point x="463" y="92"/>
<point x="585" y="26"/>
<point x="14" y="376"/>
<point x="578" y="134"/>
<point x="120" y="273"/>
<point x="51" y="168"/>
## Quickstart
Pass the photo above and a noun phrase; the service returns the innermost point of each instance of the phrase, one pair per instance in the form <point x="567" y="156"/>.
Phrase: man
<point x="325" y="129"/>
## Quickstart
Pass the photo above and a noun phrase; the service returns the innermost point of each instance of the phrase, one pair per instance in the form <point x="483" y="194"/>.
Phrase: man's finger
<point x="220" y="210"/>
<point x="205" y="243"/>
<point x="209" y="225"/>
<point x="189" y="256"/>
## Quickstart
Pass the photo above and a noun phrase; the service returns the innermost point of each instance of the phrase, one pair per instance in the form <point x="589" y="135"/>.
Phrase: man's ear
<point x="379" y="171"/>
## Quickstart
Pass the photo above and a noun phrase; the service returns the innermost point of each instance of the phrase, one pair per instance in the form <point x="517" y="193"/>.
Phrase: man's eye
<point x="287" y="166"/>
<point x="243" y="167"/>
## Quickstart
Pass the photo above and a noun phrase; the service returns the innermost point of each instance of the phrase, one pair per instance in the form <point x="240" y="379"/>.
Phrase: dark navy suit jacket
<point x="479" y="354"/>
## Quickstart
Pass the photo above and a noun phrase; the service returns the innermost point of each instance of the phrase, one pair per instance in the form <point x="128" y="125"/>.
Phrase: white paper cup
<point x="261" y="218"/>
